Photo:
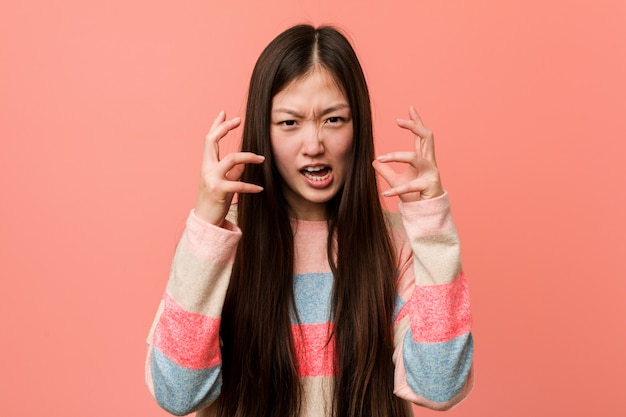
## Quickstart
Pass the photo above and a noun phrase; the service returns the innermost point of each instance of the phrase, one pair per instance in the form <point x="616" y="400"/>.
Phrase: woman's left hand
<point x="420" y="180"/>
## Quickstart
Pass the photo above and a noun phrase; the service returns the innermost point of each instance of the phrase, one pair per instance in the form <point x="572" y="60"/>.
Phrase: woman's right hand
<point x="219" y="179"/>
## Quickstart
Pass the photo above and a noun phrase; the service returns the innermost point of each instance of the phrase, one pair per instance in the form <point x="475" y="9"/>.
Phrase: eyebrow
<point x="324" y="112"/>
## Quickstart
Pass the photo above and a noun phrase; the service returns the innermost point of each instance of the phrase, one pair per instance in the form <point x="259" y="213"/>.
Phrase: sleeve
<point x="433" y="345"/>
<point x="183" y="365"/>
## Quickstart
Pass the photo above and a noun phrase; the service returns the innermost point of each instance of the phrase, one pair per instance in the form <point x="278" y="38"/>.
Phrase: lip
<point x="317" y="181"/>
<point x="318" y="165"/>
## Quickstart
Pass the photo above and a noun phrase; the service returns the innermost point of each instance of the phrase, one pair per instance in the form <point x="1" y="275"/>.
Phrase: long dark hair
<point x="260" y="372"/>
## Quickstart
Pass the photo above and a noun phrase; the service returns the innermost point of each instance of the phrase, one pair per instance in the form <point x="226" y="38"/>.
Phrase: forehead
<point x="316" y="85"/>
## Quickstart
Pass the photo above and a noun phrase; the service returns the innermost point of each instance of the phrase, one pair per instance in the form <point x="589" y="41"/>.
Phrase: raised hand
<point x="420" y="180"/>
<point x="219" y="179"/>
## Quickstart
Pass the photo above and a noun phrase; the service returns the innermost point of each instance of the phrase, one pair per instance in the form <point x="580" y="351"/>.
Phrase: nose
<point x="312" y="142"/>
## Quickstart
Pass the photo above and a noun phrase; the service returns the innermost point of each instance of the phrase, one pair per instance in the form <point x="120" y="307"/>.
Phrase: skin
<point x="311" y="130"/>
<point x="310" y="127"/>
<point x="420" y="180"/>
<point x="219" y="178"/>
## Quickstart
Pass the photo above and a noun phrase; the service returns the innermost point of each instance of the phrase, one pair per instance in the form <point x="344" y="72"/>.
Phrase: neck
<point x="313" y="213"/>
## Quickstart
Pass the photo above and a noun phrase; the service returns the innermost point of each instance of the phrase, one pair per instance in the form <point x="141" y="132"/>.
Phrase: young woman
<point x="305" y="299"/>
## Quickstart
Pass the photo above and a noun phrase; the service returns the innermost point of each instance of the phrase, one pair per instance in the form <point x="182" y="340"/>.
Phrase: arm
<point x="433" y="343"/>
<point x="183" y="367"/>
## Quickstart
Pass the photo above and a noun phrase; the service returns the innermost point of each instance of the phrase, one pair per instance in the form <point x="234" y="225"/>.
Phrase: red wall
<point x="103" y="111"/>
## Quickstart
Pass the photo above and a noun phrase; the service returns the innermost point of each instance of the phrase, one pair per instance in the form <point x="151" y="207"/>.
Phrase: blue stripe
<point x="398" y="306"/>
<point x="179" y="390"/>
<point x="399" y="301"/>
<point x="438" y="371"/>
<point x="312" y="293"/>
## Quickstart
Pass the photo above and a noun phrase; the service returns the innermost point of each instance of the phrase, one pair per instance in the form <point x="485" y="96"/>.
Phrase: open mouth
<point x="318" y="173"/>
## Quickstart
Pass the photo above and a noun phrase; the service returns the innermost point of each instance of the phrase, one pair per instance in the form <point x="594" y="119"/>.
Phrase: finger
<point x="406" y="157"/>
<point x="415" y="127"/>
<point x="414" y="115"/>
<point x="428" y="149"/>
<point x="385" y="171"/>
<point x="406" y="188"/>
<point x="218" y="131"/>
<point x="241" y="187"/>
<point x="412" y="126"/>
<point x="237" y="158"/>
<point x="428" y="139"/>
<point x="221" y="116"/>
<point x="416" y="162"/>
<point x="428" y="142"/>
<point x="425" y="139"/>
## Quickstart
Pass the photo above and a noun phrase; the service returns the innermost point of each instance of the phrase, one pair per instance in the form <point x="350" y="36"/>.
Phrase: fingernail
<point x="387" y="193"/>
<point x="382" y="158"/>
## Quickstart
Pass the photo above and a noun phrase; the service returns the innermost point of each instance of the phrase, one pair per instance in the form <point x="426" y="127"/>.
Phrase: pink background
<point x="103" y="111"/>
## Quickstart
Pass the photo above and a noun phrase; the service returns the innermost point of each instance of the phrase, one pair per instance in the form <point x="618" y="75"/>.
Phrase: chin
<point x="321" y="197"/>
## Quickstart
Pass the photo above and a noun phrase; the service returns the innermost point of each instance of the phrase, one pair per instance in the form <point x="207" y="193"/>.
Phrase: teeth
<point x="317" y="173"/>
<point x="317" y="177"/>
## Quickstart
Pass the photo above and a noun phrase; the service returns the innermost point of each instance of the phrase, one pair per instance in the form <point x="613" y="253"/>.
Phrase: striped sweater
<point x="433" y="345"/>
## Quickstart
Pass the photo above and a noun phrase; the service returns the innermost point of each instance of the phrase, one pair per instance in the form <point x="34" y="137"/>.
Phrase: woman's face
<point x="311" y="137"/>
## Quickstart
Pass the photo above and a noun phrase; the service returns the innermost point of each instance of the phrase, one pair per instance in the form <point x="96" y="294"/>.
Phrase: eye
<point x="288" y="123"/>
<point x="334" y="120"/>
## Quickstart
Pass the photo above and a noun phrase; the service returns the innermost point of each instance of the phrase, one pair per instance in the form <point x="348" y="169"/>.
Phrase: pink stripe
<point x="187" y="339"/>
<point x="440" y="312"/>
<point x="313" y="351"/>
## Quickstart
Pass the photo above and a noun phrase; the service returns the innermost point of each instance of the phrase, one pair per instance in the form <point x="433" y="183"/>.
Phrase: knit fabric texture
<point x="433" y="346"/>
